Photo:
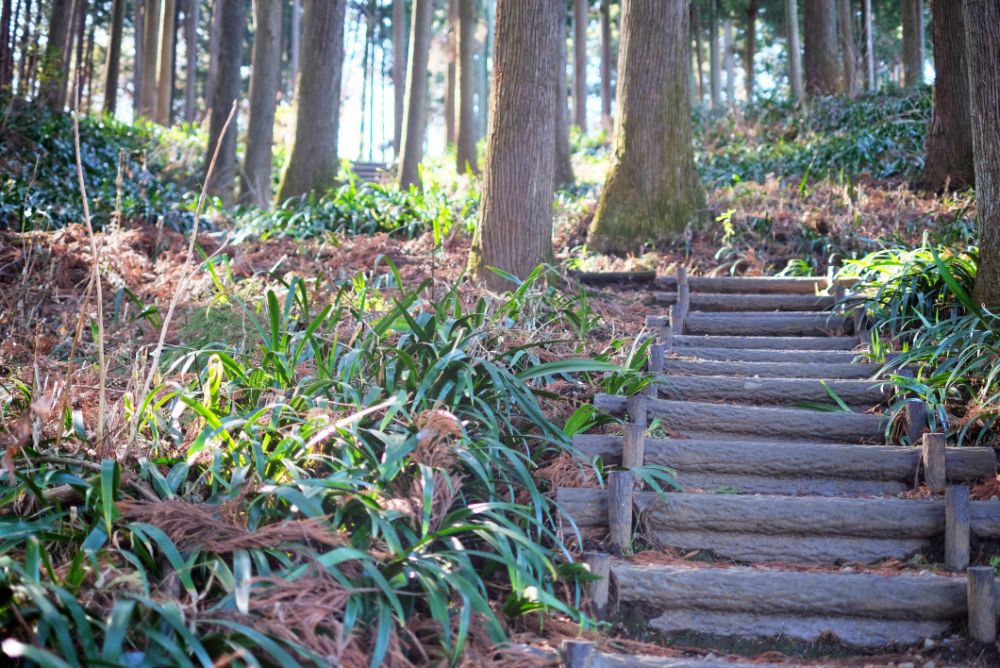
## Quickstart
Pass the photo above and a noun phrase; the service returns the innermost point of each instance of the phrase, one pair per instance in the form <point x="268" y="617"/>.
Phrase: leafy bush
<point x="357" y="489"/>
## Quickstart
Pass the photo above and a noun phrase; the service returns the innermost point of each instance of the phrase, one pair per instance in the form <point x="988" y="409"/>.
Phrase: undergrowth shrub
<point x="357" y="489"/>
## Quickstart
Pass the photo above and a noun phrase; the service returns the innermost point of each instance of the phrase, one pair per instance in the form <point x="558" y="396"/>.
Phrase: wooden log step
<point x="612" y="277"/>
<point x="841" y="370"/>
<point x="689" y="417"/>
<point x="757" y="324"/>
<point x="765" y="355"/>
<point x="705" y="301"/>
<point x="596" y="659"/>
<point x="862" y="393"/>
<point x="764" y="342"/>
<point x="802" y="460"/>
<point x="734" y="483"/>
<point x="754" y="284"/>
<point x="777" y="593"/>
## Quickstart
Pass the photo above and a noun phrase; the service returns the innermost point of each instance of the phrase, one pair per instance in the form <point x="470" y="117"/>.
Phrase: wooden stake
<point x="599" y="564"/>
<point x="637" y="409"/>
<point x="933" y="461"/>
<point x="657" y="352"/>
<point x="668" y="332"/>
<point x="620" y="509"/>
<point x="633" y="445"/>
<point x="916" y="420"/>
<point x="576" y="653"/>
<point x="956" y="527"/>
<point x="982" y="609"/>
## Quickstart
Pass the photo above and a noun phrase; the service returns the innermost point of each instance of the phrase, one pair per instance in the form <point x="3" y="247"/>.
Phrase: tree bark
<point x="652" y="191"/>
<point x="165" y="83"/>
<point x="822" y="61"/>
<point x="415" y="115"/>
<point x="606" y="65"/>
<point x="22" y="66"/>
<point x="728" y="51"/>
<point x="751" y="48"/>
<point x="112" y="65"/>
<point x="514" y="233"/>
<point x="949" y="163"/>
<point x="982" y="43"/>
<point x="714" y="73"/>
<point x="581" y="14"/>
<point x="794" y="49"/>
<point x="451" y="53"/>
<point x="848" y="49"/>
<point x="150" y="50"/>
<point x="191" y="12"/>
<point x="214" y="32"/>
<point x="52" y="90"/>
<point x="227" y="91"/>
<point x="467" y="124"/>
<point x="698" y="51"/>
<point x="869" y="47"/>
<point x="398" y="70"/>
<point x="312" y="164"/>
<point x="265" y="79"/>
<point x="7" y="27"/>
<point x="563" y="165"/>
<point x="913" y="42"/>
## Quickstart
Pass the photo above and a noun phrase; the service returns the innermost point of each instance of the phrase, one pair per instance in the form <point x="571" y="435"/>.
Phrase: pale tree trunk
<point x="191" y="11"/>
<point x="484" y="81"/>
<point x="312" y="164"/>
<point x="728" y="51"/>
<point x="54" y="72"/>
<point x="913" y="42"/>
<point x="415" y="113"/>
<point x="581" y="14"/>
<point x="165" y="84"/>
<point x="699" y="65"/>
<point x="982" y="44"/>
<point x="652" y="191"/>
<point x="138" y="23"/>
<point x="869" y="47"/>
<point x="398" y="70"/>
<point x="794" y="49"/>
<point x="514" y="233"/>
<point x="949" y="163"/>
<point x="150" y="51"/>
<point x="112" y="65"/>
<point x="227" y="91"/>
<point x="214" y="32"/>
<point x="449" y="84"/>
<point x="848" y="50"/>
<point x="265" y="80"/>
<point x="563" y="165"/>
<point x="606" y="65"/>
<point x="822" y="60"/>
<point x="72" y="64"/>
<point x="750" y="48"/>
<point x="714" y="73"/>
<point x="467" y="123"/>
<point x="22" y="66"/>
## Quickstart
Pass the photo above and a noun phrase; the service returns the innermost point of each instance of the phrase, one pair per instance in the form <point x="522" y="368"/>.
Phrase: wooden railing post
<point x="982" y="607"/>
<point x="956" y="527"/>
<point x="620" y="509"/>
<point x="933" y="460"/>
<point x="599" y="564"/>
<point x="916" y="420"/>
<point x="575" y="653"/>
<point x="657" y="354"/>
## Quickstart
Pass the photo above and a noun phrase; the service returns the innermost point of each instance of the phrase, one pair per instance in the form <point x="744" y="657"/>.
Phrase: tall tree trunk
<point x="22" y="66"/>
<point x="150" y="50"/>
<point x="848" y="49"/>
<point x="227" y="91"/>
<point x="54" y="68"/>
<point x="714" y="73"/>
<point x="191" y="12"/>
<point x="794" y="48"/>
<point x="165" y="82"/>
<point x="750" y="48"/>
<point x="484" y="106"/>
<point x="415" y="116"/>
<point x="112" y="65"/>
<point x="312" y="164"/>
<point x="982" y="44"/>
<point x="138" y="24"/>
<point x="7" y="26"/>
<point x="581" y="15"/>
<point x="214" y="33"/>
<point x="295" y="40"/>
<point x="265" y="80"/>
<point x="514" y="233"/>
<point x="467" y="125"/>
<point x="913" y="42"/>
<point x="398" y="70"/>
<point x="77" y="13"/>
<point x="699" y="65"/>
<point x="949" y="162"/>
<point x="728" y="51"/>
<point x="88" y="63"/>
<point x="822" y="60"/>
<point x="652" y="191"/>
<point x="606" y="65"/>
<point x="869" y="47"/>
<point x="449" y="84"/>
<point x="563" y="165"/>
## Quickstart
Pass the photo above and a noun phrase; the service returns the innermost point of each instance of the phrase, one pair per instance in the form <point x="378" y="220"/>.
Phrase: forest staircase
<point x="788" y="506"/>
